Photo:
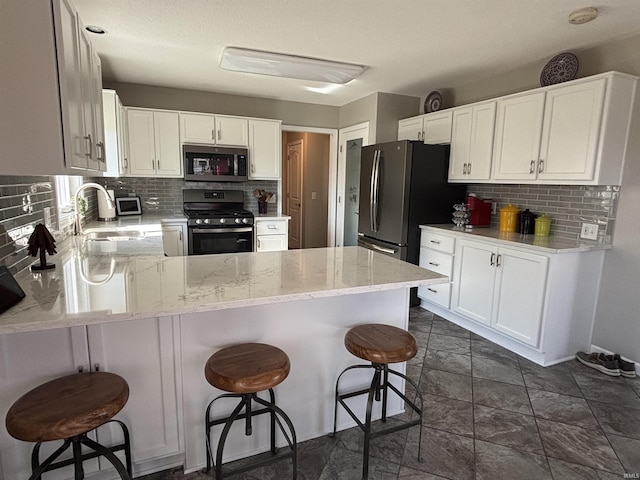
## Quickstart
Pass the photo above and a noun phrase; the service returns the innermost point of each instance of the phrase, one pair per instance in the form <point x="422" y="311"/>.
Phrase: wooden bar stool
<point x="381" y="345"/>
<point x="245" y="370"/>
<point x="68" y="408"/>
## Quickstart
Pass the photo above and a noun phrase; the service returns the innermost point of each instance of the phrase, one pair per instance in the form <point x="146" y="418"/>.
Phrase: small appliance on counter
<point x="479" y="210"/>
<point x="509" y="218"/>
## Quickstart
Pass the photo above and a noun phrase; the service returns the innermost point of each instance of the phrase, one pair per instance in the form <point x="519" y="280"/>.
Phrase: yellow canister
<point x="509" y="218"/>
<point x="543" y="226"/>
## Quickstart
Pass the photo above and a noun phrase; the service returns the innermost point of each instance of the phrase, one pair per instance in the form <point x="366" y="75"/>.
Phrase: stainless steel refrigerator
<point x="402" y="186"/>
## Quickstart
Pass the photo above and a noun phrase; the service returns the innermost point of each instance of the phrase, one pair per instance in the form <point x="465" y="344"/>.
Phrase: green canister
<point x="543" y="226"/>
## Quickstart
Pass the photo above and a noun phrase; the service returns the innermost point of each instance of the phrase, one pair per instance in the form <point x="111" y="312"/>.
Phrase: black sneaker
<point x="596" y="360"/>
<point x="627" y="369"/>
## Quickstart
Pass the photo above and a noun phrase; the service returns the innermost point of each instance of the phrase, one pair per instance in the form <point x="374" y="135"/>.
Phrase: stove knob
<point x="238" y="220"/>
<point x="207" y="221"/>
<point x="198" y="221"/>
<point x="244" y="220"/>
<point x="222" y="220"/>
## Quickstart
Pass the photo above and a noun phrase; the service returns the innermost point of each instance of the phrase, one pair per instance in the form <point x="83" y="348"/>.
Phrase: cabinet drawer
<point x="438" y="294"/>
<point x="436" y="261"/>
<point x="271" y="227"/>
<point x="436" y="241"/>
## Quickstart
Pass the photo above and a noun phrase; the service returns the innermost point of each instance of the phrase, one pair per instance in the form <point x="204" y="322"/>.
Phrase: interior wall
<point x="315" y="195"/>
<point x="390" y="109"/>
<point x="617" y="323"/>
<point x="291" y="113"/>
<point x="360" y="111"/>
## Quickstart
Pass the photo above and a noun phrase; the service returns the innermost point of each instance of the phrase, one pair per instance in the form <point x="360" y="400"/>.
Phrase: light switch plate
<point x="589" y="231"/>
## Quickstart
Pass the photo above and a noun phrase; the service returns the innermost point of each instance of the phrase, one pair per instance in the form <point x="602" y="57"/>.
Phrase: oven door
<point x="210" y="240"/>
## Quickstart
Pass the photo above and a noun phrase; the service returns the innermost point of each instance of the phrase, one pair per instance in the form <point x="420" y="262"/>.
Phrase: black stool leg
<point x="223" y="436"/>
<point x="108" y="454"/>
<point x="374" y="391"/>
<point x="37" y="468"/>
<point x="77" y="458"/>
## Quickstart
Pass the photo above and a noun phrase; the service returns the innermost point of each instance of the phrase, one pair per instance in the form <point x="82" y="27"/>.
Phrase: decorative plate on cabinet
<point x="561" y="68"/>
<point x="433" y="102"/>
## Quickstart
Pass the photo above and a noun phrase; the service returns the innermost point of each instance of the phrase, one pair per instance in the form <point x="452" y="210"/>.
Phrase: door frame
<point x="360" y="130"/>
<point x="333" y="168"/>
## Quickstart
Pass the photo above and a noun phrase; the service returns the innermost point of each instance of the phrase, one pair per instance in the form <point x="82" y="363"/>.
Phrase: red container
<point x="479" y="211"/>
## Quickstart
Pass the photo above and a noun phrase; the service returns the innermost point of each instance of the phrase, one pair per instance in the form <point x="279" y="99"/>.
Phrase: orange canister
<point x="509" y="218"/>
<point x="543" y="226"/>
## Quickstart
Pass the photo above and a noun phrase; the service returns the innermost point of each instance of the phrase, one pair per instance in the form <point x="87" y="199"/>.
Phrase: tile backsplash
<point x="568" y="206"/>
<point x="24" y="203"/>
<point x="164" y="195"/>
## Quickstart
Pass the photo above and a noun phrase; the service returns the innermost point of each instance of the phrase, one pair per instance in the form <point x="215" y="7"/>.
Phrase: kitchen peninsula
<point x="155" y="320"/>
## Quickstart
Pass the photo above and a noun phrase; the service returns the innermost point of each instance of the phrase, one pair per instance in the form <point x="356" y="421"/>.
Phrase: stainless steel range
<point x="217" y="222"/>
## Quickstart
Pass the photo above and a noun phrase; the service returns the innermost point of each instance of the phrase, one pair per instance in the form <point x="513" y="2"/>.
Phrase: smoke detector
<point x="583" y="15"/>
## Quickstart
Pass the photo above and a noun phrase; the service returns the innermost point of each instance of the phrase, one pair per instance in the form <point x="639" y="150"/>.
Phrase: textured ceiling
<point x="408" y="46"/>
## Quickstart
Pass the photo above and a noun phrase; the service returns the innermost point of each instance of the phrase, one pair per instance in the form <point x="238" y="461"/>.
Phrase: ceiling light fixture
<point x="583" y="15"/>
<point x="95" y="29"/>
<point x="289" y="66"/>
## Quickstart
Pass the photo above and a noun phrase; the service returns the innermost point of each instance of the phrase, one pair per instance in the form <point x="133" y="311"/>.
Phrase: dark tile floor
<point x="489" y="414"/>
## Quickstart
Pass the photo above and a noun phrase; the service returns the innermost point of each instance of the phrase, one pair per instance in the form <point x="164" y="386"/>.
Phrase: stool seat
<point x="247" y="368"/>
<point x="67" y="406"/>
<point x="380" y="343"/>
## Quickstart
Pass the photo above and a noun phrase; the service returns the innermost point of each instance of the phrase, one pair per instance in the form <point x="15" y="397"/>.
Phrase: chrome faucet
<point x="78" y="223"/>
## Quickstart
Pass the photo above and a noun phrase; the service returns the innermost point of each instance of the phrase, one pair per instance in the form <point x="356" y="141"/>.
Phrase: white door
<point x="460" y="143"/>
<point x="410" y="129"/>
<point x="437" y="127"/>
<point x="572" y="119"/>
<point x="168" y="161"/>
<point x="88" y="108"/>
<point x="232" y="131"/>
<point x="198" y="128"/>
<point x="474" y="280"/>
<point x="351" y="140"/>
<point x="482" y="130"/>
<point x="519" y="294"/>
<point x="517" y="140"/>
<point x="98" y="112"/>
<point x="173" y="240"/>
<point x="142" y="147"/>
<point x="295" y="167"/>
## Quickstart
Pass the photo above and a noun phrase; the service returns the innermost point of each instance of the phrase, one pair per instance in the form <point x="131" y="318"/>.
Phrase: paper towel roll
<point x="106" y="213"/>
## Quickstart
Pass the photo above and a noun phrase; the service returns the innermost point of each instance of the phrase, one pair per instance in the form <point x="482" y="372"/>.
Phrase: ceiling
<point x="409" y="47"/>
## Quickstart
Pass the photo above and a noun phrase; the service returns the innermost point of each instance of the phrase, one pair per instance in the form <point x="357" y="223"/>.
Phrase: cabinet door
<point x="142" y="352"/>
<point x="265" y="149"/>
<point x="173" y="237"/>
<point x="115" y="144"/>
<point x="196" y="128"/>
<point x="572" y="117"/>
<point x="519" y="294"/>
<point x="271" y="243"/>
<point x="98" y="109"/>
<point x="232" y="131"/>
<point x="437" y="127"/>
<point x="410" y="129"/>
<point x="517" y="140"/>
<point x="481" y="152"/>
<point x="460" y="143"/>
<point x="474" y="280"/>
<point x="88" y="102"/>
<point x="167" y="144"/>
<point x="142" y="149"/>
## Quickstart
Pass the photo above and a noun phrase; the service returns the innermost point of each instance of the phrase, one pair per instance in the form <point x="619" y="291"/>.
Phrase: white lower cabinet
<point x="141" y="351"/>
<point x="500" y="287"/>
<point x="174" y="238"/>
<point x="539" y="302"/>
<point x="271" y="234"/>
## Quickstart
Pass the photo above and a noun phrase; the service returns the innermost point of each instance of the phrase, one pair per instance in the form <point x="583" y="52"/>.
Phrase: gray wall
<point x="617" y="324"/>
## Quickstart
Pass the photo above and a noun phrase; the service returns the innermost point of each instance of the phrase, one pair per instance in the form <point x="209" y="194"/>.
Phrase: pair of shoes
<point x="600" y="362"/>
<point x="627" y="369"/>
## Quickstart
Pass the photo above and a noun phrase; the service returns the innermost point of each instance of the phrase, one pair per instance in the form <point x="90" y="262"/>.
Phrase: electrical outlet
<point x="589" y="231"/>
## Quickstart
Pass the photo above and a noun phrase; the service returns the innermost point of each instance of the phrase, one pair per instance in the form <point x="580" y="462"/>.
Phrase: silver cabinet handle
<point x="219" y="134"/>
<point x="469" y="168"/>
<point x="498" y="260"/>
<point x="213" y="134"/>
<point x="434" y="264"/>
<point x="464" y="168"/>
<point x="180" y="235"/>
<point x="432" y="290"/>
<point x="158" y="164"/>
<point x="153" y="164"/>
<point x="89" y="154"/>
<point x="100" y="147"/>
<point x="96" y="367"/>
<point x="532" y="166"/>
<point x="126" y="164"/>
<point x="493" y="258"/>
<point x="437" y="242"/>
<point x="541" y="165"/>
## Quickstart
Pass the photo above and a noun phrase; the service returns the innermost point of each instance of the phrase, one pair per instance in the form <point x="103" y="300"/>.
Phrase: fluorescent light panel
<point x="290" y="66"/>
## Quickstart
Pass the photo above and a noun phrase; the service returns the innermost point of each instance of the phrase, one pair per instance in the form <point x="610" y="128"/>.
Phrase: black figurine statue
<point x="42" y="240"/>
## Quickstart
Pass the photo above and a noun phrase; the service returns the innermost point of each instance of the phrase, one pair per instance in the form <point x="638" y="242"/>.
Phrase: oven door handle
<point x="222" y="230"/>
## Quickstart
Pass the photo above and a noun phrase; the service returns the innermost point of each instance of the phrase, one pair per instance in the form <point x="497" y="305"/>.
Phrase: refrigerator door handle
<point x="372" y="187"/>
<point x="377" y="191"/>
<point x="373" y="246"/>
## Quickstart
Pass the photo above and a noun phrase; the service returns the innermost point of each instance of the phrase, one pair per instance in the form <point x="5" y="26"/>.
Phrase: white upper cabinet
<point x="431" y="128"/>
<point x="214" y="129"/>
<point x="115" y="125"/>
<point x="472" y="142"/>
<point x="154" y="143"/>
<point x="53" y="85"/>
<point x="573" y="133"/>
<point x="265" y="149"/>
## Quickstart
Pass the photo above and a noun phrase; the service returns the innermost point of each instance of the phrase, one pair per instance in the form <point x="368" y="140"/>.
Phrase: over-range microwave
<point x="215" y="164"/>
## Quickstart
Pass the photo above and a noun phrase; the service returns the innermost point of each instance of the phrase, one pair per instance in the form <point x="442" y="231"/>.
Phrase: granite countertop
<point x="550" y="244"/>
<point x="144" y="222"/>
<point x="93" y="283"/>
